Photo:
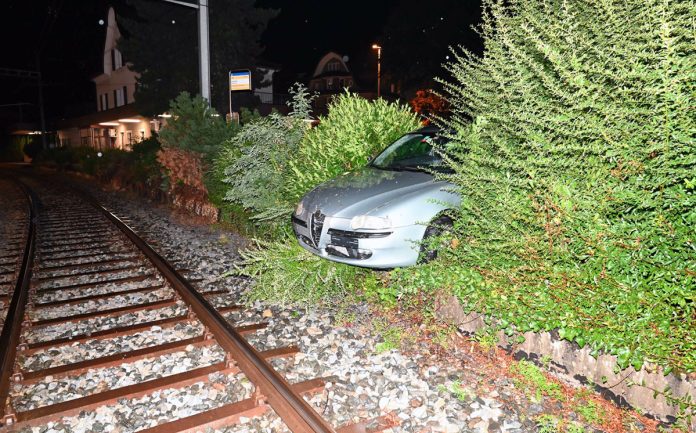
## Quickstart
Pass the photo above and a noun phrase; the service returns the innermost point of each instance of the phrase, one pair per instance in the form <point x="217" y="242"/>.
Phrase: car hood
<point x="363" y="192"/>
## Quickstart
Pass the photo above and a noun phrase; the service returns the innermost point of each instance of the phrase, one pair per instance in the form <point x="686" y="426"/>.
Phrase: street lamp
<point x="379" y="66"/>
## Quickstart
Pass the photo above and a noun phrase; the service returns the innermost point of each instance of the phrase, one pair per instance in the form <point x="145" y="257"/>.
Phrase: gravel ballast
<point x="418" y="390"/>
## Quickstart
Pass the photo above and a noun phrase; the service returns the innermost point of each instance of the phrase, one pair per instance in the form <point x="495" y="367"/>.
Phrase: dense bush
<point x="273" y="161"/>
<point x="354" y="131"/>
<point x="137" y="169"/>
<point x="192" y="140"/>
<point x="578" y="174"/>
<point x="82" y="159"/>
<point x="143" y="164"/>
<point x="255" y="161"/>
<point x="195" y="127"/>
<point x="287" y="274"/>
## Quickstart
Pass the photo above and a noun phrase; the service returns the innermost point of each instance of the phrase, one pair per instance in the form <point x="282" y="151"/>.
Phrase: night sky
<point x="70" y="39"/>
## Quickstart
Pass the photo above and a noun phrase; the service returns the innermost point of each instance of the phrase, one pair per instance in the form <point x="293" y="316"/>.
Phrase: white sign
<point x="240" y="80"/>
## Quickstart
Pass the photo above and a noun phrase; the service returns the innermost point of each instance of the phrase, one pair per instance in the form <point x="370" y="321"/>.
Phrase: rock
<point x="416" y="402"/>
<point x="487" y="413"/>
<point x="419" y="412"/>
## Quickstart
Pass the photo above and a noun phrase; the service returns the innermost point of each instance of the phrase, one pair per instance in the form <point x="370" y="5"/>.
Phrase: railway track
<point x="98" y="322"/>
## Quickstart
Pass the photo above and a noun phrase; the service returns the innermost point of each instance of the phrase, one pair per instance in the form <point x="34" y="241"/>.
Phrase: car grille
<point x="316" y="224"/>
<point x="358" y="235"/>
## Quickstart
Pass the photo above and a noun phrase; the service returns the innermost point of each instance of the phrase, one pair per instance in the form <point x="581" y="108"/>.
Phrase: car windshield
<point x="411" y="152"/>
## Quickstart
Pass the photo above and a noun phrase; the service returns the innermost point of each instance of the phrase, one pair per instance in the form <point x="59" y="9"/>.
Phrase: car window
<point x="410" y="152"/>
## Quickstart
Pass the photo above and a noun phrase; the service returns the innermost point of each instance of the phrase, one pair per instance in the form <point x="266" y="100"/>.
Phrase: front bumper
<point x="333" y="239"/>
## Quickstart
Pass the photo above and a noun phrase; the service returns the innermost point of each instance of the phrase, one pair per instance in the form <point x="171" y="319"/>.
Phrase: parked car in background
<point x="377" y="216"/>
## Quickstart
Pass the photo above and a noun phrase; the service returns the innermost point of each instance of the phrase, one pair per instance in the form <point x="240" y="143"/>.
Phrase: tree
<point x="161" y="43"/>
<point x="428" y="104"/>
<point x="416" y="44"/>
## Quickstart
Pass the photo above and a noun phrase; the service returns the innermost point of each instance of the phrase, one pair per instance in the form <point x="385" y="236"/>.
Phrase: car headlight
<point x="300" y="208"/>
<point x="369" y="222"/>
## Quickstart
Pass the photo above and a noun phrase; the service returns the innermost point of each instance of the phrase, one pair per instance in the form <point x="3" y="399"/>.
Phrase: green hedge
<point x="578" y="175"/>
<point x="137" y="168"/>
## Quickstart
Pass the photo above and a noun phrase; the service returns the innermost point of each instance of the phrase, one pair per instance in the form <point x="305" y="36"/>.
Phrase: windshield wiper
<point x="409" y="168"/>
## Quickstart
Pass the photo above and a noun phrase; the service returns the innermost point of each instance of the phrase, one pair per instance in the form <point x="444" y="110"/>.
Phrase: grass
<point x="590" y="412"/>
<point x="393" y="338"/>
<point x="457" y="390"/>
<point x="535" y="383"/>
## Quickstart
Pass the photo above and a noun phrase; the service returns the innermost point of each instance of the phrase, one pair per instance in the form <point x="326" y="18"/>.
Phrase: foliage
<point x="547" y="423"/>
<point x="143" y="163"/>
<point x="392" y="337"/>
<point x="138" y="168"/>
<point x="458" y="390"/>
<point x="590" y="412"/>
<point x="429" y="104"/>
<point x="286" y="273"/>
<point x="275" y="160"/>
<point x="12" y="148"/>
<point x="354" y="130"/>
<point x="160" y="43"/>
<point x="81" y="159"/>
<point x="195" y="127"/>
<point x="255" y="161"/>
<point x="533" y="380"/>
<point x="577" y="174"/>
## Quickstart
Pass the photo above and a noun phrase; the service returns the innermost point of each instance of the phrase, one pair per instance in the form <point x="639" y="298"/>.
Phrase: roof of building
<point x="325" y="60"/>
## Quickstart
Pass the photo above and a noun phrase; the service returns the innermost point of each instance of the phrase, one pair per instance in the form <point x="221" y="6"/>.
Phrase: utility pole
<point x="203" y="44"/>
<point x="41" y="102"/>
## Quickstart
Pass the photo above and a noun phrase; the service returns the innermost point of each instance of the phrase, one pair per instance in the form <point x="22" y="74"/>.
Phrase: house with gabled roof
<point x="115" y="123"/>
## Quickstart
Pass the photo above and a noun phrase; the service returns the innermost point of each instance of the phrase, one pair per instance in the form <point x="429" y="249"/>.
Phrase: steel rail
<point x="9" y="338"/>
<point x="295" y="412"/>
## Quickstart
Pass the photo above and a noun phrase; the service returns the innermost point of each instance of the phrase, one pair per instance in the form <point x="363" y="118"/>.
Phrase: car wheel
<point x="428" y="251"/>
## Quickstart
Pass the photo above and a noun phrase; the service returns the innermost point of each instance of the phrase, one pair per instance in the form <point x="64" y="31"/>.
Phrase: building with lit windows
<point x="115" y="123"/>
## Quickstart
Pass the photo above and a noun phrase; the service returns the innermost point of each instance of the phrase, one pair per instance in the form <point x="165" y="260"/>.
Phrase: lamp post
<point x="379" y="67"/>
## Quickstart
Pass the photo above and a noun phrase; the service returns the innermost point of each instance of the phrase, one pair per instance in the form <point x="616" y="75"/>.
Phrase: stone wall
<point x="575" y="365"/>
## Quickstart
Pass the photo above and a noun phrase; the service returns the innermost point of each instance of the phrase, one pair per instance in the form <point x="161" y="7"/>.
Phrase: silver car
<point x="377" y="217"/>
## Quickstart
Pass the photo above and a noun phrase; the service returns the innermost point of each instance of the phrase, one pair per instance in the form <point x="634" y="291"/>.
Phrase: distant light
<point x="164" y="115"/>
<point x="442" y="19"/>
<point x="129" y="120"/>
<point x="215" y="115"/>
<point x="101" y="22"/>
<point x="376" y="47"/>
<point x="108" y="123"/>
<point x="446" y="57"/>
<point x="173" y="21"/>
<point x="35" y="133"/>
<point x="99" y="154"/>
